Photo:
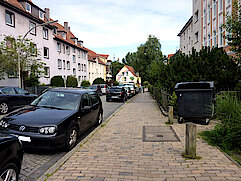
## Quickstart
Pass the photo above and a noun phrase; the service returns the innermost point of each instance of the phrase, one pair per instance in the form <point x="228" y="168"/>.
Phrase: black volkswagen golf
<point x="55" y="119"/>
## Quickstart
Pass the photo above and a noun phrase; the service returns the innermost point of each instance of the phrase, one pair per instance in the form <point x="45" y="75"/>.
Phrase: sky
<point x="116" y="27"/>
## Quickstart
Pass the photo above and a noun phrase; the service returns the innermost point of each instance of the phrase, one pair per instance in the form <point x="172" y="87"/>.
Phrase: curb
<point x="59" y="163"/>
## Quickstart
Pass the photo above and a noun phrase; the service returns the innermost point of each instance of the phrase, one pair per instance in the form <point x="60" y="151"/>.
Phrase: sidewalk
<point x="117" y="152"/>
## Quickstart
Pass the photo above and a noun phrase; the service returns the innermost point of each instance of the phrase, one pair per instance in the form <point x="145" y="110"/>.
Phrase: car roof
<point x="72" y="90"/>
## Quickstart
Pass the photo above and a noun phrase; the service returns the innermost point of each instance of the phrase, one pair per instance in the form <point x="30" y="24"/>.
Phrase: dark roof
<point x="185" y="26"/>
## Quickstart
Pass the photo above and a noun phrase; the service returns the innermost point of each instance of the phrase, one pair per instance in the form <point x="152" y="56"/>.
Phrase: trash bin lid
<point x="195" y="85"/>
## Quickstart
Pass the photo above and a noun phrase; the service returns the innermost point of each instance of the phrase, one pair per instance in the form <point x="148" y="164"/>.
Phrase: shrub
<point x="146" y="83"/>
<point x="57" y="81"/>
<point x="98" y="81"/>
<point x="115" y="83"/>
<point x="71" y="81"/>
<point x="85" y="83"/>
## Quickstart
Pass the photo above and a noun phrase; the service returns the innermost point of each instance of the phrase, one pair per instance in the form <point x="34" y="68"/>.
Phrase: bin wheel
<point x="180" y="120"/>
<point x="206" y="121"/>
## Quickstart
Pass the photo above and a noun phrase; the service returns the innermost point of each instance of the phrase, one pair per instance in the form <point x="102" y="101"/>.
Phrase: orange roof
<point x="131" y="69"/>
<point x="170" y="55"/>
<point x="100" y="61"/>
<point x="103" y="55"/>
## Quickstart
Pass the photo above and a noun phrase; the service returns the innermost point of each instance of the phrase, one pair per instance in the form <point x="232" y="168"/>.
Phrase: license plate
<point x="114" y="97"/>
<point x="23" y="138"/>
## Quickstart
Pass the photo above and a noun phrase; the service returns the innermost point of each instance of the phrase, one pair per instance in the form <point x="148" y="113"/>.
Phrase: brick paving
<point x="117" y="152"/>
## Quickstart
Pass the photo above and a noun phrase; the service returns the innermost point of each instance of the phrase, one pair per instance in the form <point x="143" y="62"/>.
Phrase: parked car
<point x="128" y="91"/>
<point x="11" y="156"/>
<point x="132" y="87"/>
<point x="103" y="88"/>
<point x="14" y="97"/>
<point x="97" y="88"/>
<point x="55" y="119"/>
<point x="116" y="93"/>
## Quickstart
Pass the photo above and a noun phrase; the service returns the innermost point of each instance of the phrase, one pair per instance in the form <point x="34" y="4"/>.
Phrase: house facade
<point x="127" y="75"/>
<point x="205" y="27"/>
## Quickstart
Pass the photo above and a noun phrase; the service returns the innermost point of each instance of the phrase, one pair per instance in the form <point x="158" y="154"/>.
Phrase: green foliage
<point x="146" y="83"/>
<point x="132" y="78"/>
<point x="57" y="81"/>
<point x="226" y="135"/>
<point x="29" y="61"/>
<point x="233" y="27"/>
<point x="85" y="83"/>
<point x="99" y="81"/>
<point x="115" y="83"/>
<point x="71" y="81"/>
<point x="116" y="67"/>
<point x="238" y="87"/>
<point x="173" y="100"/>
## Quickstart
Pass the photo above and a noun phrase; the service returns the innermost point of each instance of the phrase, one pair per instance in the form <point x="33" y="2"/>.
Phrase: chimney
<point x="66" y="26"/>
<point x="118" y="60"/>
<point x="68" y="29"/>
<point x="47" y="13"/>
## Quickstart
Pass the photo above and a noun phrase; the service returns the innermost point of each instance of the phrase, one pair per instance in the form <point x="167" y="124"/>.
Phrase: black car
<point x="14" y="97"/>
<point x="11" y="156"/>
<point x="116" y="93"/>
<point x="55" y="119"/>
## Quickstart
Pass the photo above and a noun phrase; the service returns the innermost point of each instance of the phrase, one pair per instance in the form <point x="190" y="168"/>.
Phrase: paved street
<point x="124" y="150"/>
<point x="36" y="163"/>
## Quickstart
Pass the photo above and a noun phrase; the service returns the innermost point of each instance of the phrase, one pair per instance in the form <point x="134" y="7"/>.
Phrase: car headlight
<point x="4" y="124"/>
<point x="48" y="130"/>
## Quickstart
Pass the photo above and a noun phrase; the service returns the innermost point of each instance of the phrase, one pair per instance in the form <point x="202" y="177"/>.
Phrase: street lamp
<point x="20" y="46"/>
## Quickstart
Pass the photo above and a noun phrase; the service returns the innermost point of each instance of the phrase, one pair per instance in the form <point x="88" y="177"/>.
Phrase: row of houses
<point x="62" y="52"/>
<point x="205" y="26"/>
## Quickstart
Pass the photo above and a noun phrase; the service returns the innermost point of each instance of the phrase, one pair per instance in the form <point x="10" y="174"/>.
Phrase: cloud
<point x="119" y="23"/>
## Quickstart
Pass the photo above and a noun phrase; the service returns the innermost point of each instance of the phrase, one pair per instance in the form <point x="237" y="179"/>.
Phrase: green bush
<point x="71" y="81"/>
<point x="238" y="87"/>
<point x="226" y="135"/>
<point x="85" y="83"/>
<point x="99" y="81"/>
<point x="115" y="83"/>
<point x="146" y="83"/>
<point x="57" y="81"/>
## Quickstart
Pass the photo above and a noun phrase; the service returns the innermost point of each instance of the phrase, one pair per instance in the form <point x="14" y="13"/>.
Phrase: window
<point x="73" y="50"/>
<point x="196" y="16"/>
<point x="41" y="15"/>
<point x="46" y="52"/>
<point x="21" y="91"/>
<point x="123" y="73"/>
<point x="94" y="98"/>
<point x="74" y="71"/>
<point x="59" y="64"/>
<point x="209" y="40"/>
<point x="8" y="91"/>
<point x="73" y="58"/>
<point x="45" y="33"/>
<point x="68" y="65"/>
<point x="85" y="101"/>
<point x="214" y="8"/>
<point x="31" y="26"/>
<point x="229" y="1"/>
<point x="124" y="78"/>
<point x="34" y="49"/>
<point x="214" y="38"/>
<point x="63" y="64"/>
<point x="58" y="47"/>
<point x="221" y="35"/>
<point x="79" y="68"/>
<point x="9" y="18"/>
<point x="126" y="73"/>
<point x="221" y="5"/>
<point x="64" y="36"/>
<point x="196" y="36"/>
<point x="84" y="68"/>
<point x="46" y="72"/>
<point x="209" y="13"/>
<point x="55" y="31"/>
<point x="28" y="7"/>
<point x="67" y="50"/>
<point x="79" y="78"/>
<point x="205" y="18"/>
<point x="63" y="48"/>
<point x="78" y="53"/>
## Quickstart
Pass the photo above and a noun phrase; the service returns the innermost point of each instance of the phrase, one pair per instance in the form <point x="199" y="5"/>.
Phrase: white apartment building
<point x="59" y="49"/>
<point x="206" y="25"/>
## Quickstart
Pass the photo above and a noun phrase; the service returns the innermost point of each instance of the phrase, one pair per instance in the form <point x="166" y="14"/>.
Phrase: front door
<point x="85" y="118"/>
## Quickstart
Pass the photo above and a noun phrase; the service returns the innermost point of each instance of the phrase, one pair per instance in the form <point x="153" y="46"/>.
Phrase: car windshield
<point x="93" y="87"/>
<point x="57" y="100"/>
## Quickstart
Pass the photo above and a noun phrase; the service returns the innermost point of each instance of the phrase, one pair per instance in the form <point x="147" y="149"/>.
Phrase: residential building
<point x="62" y="52"/>
<point x="16" y="18"/>
<point x="127" y="75"/>
<point x="96" y="67"/>
<point x="205" y="27"/>
<point x="108" y="70"/>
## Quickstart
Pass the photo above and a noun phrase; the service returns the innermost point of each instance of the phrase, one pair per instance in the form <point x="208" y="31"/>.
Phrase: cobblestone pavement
<point x="117" y="152"/>
<point x="36" y="163"/>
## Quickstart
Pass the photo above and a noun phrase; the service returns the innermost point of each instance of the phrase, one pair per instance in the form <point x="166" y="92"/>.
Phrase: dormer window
<point x="28" y="7"/>
<point x="64" y="36"/>
<point x="75" y="41"/>
<point x="55" y="31"/>
<point x="41" y="15"/>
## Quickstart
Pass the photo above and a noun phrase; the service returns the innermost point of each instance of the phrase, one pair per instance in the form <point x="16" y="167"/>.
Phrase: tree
<point x="116" y="67"/>
<point x="71" y="81"/>
<point x="99" y="81"/>
<point x="85" y="83"/>
<point x="29" y="61"/>
<point x="57" y="81"/>
<point x="233" y="28"/>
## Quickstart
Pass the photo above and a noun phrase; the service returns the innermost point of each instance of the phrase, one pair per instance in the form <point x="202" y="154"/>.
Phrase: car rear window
<point x="115" y="90"/>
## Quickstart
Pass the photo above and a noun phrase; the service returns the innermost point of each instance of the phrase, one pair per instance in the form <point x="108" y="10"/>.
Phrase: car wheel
<point x="99" y="119"/>
<point x="10" y="172"/>
<point x="4" y="108"/>
<point x="206" y="121"/>
<point x="71" y="140"/>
